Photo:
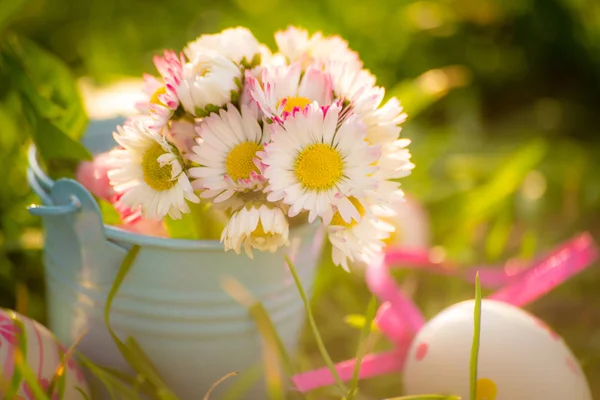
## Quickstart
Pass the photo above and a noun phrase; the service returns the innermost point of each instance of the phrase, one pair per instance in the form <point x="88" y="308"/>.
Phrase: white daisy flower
<point x="148" y="172"/>
<point x="358" y="242"/>
<point x="293" y="43"/>
<point x="208" y="82"/>
<point x="226" y="153"/>
<point x="348" y="80"/>
<point x="393" y="164"/>
<point x="267" y="59"/>
<point x="356" y="88"/>
<point x="237" y="44"/>
<point x="296" y="45"/>
<point x="283" y="89"/>
<point x="313" y="165"/>
<point x="263" y="227"/>
<point x="162" y="93"/>
<point x="383" y="121"/>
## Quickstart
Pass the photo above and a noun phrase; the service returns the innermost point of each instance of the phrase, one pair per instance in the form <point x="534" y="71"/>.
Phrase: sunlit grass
<point x="476" y="340"/>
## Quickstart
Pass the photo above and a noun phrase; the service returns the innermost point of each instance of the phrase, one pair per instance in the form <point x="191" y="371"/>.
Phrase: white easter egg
<point x="520" y="358"/>
<point x="43" y="356"/>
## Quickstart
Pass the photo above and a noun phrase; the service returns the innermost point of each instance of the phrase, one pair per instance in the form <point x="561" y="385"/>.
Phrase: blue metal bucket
<point x="171" y="301"/>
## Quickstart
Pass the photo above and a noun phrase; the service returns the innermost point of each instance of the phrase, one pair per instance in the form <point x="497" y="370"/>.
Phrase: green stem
<point x="476" y="337"/>
<point x="363" y="345"/>
<point x="315" y="330"/>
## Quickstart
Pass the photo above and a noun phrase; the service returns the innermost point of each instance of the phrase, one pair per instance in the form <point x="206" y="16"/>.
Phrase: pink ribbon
<point x="562" y="264"/>
<point x="399" y="319"/>
<point x="422" y="259"/>
<point x="372" y="365"/>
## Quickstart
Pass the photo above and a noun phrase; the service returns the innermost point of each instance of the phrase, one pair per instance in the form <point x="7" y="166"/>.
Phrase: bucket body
<point x="172" y="301"/>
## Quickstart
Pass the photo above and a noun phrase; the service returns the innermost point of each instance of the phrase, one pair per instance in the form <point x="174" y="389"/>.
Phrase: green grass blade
<point x="131" y="350"/>
<point x="363" y="345"/>
<point x="82" y="393"/>
<point x="20" y="355"/>
<point x="121" y="274"/>
<point x="315" y="330"/>
<point x="29" y="377"/>
<point x="143" y="366"/>
<point x="113" y="384"/>
<point x="273" y="350"/>
<point x="58" y="379"/>
<point x="261" y="318"/>
<point x="476" y="338"/>
<point x="22" y="367"/>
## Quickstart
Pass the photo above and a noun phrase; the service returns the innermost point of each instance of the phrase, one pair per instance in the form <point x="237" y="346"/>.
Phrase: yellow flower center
<point x="154" y="99"/>
<point x="319" y="166"/>
<point x="292" y="102"/>
<point x="201" y="69"/>
<point x="486" y="389"/>
<point x="157" y="177"/>
<point x="259" y="232"/>
<point x="240" y="160"/>
<point x="339" y="221"/>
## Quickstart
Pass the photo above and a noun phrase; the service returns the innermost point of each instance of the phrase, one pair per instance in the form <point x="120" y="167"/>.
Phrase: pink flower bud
<point x="92" y="175"/>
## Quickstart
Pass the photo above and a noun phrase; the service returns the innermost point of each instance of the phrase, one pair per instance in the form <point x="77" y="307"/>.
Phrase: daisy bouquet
<point x="270" y="140"/>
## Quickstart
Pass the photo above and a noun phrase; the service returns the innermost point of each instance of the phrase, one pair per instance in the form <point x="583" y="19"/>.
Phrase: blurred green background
<point x="503" y="98"/>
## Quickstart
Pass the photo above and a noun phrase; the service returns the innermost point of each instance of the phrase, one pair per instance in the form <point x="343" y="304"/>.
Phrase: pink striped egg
<point x="43" y="355"/>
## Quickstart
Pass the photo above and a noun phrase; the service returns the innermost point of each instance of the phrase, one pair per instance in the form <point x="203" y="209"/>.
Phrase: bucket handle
<point x="72" y="208"/>
<point x="64" y="209"/>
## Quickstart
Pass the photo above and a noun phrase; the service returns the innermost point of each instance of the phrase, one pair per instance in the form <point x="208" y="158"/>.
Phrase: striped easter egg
<point x="42" y="354"/>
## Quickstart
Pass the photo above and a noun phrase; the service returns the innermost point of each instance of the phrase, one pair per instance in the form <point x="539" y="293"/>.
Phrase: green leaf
<point x="110" y="216"/>
<point x="56" y="95"/>
<point x="313" y="325"/>
<point x="476" y="339"/>
<point x="203" y="222"/>
<point x="8" y="10"/>
<point x="50" y="97"/>
<point x="363" y="345"/>
<point x="52" y="143"/>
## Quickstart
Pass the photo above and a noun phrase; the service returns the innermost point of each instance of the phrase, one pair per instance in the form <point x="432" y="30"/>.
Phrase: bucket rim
<point x="40" y="183"/>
